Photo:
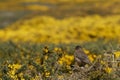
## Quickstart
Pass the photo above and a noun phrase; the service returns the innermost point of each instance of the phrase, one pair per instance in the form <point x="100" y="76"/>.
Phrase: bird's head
<point x="78" y="47"/>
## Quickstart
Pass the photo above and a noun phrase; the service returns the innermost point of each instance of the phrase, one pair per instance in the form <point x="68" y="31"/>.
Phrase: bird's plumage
<point x="80" y="57"/>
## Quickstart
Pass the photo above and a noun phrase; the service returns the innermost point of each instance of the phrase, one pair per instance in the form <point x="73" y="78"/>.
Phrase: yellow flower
<point x="47" y="74"/>
<point x="60" y="77"/>
<point x="57" y="49"/>
<point x="86" y="51"/>
<point x="37" y="60"/>
<point x="67" y="59"/>
<point x="21" y="76"/>
<point x="14" y="66"/>
<point x="60" y="62"/>
<point x="117" y="54"/>
<point x="46" y="50"/>
<point x="91" y="58"/>
<point x="102" y="62"/>
<point x="108" y="69"/>
<point x="46" y="57"/>
<point x="94" y="56"/>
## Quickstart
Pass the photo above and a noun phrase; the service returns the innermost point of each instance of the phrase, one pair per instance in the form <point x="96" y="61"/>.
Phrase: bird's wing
<point x="83" y="57"/>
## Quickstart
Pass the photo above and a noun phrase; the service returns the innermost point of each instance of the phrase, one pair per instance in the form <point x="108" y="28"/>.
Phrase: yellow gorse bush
<point x="13" y="70"/>
<point x="67" y="59"/>
<point x="73" y="29"/>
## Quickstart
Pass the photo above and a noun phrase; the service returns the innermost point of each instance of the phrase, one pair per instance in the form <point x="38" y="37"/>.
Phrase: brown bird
<point x="80" y="57"/>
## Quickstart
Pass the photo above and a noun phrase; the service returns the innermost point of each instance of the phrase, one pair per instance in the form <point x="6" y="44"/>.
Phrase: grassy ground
<point x="51" y="61"/>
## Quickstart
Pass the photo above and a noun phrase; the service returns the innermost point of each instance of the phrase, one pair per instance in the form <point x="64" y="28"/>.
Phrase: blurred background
<point x="59" y="21"/>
